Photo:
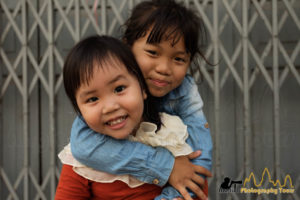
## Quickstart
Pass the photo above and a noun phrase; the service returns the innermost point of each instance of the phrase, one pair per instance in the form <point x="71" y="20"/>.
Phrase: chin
<point x="158" y="94"/>
<point x="121" y="136"/>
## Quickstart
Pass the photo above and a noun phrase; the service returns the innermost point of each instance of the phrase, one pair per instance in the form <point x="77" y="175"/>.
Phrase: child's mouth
<point x="116" y="121"/>
<point x="159" y="83"/>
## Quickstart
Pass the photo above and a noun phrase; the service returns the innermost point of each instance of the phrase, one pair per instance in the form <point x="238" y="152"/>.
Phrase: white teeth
<point x="117" y="121"/>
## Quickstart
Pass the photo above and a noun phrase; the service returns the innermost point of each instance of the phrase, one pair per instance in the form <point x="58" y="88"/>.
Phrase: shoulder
<point x="184" y="88"/>
<point x="79" y="122"/>
<point x="188" y="80"/>
<point x="66" y="157"/>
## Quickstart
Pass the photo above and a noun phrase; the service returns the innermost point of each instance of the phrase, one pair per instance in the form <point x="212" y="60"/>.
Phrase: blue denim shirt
<point x="148" y="164"/>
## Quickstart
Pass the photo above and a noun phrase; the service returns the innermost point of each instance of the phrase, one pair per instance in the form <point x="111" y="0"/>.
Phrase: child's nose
<point x="110" y="106"/>
<point x="164" y="67"/>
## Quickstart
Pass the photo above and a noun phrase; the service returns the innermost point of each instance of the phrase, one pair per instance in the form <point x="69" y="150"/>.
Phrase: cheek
<point x="91" y="117"/>
<point x="180" y="74"/>
<point x="144" y="64"/>
<point x="135" y="104"/>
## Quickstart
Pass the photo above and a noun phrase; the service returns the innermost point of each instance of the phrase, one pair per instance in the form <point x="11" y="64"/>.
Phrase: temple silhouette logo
<point x="266" y="185"/>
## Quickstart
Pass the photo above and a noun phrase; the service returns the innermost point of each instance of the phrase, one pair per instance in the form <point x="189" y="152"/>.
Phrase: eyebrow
<point x="182" y="52"/>
<point x="86" y="93"/>
<point x="177" y="52"/>
<point x="120" y="76"/>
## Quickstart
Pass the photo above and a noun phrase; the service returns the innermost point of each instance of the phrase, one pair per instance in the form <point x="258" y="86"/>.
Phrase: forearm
<point x="200" y="139"/>
<point x="120" y="156"/>
<point x="186" y="103"/>
<point x="190" y="109"/>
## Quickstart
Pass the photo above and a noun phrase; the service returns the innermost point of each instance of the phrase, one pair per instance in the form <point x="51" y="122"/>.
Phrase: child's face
<point x="163" y="65"/>
<point x="112" y="103"/>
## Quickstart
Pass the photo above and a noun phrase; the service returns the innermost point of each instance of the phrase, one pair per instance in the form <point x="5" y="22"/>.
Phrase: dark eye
<point x="180" y="59"/>
<point x="119" y="89"/>
<point x="151" y="52"/>
<point x="92" y="99"/>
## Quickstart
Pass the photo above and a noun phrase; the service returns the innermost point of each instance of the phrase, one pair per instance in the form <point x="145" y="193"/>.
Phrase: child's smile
<point x="112" y="101"/>
<point x="160" y="83"/>
<point x="163" y="64"/>
<point x="117" y="123"/>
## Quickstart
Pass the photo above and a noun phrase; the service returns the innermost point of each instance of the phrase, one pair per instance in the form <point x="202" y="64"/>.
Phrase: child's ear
<point x="144" y="95"/>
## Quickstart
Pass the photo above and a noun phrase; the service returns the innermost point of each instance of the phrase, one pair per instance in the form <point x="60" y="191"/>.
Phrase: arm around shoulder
<point x="114" y="156"/>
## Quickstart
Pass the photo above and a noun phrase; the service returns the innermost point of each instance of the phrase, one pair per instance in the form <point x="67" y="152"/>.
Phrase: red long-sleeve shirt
<point x="72" y="186"/>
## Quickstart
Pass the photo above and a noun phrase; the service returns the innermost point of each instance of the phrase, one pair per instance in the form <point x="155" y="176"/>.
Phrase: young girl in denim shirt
<point x="164" y="37"/>
<point x="107" y="89"/>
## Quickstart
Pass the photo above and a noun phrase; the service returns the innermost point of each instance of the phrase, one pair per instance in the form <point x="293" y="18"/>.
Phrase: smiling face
<point x="163" y="64"/>
<point x="112" y="101"/>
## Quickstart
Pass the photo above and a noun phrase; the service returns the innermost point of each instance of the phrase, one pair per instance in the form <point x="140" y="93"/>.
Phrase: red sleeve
<point x="72" y="186"/>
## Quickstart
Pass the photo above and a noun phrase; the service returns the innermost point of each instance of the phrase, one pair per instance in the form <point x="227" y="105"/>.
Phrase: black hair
<point x="96" y="51"/>
<point x="167" y="20"/>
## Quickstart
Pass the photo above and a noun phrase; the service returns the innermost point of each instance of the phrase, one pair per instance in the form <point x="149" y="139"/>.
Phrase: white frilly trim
<point x="66" y="157"/>
<point x="172" y="135"/>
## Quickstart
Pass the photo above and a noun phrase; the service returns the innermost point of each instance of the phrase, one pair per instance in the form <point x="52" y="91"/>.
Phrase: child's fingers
<point x="197" y="190"/>
<point x="203" y="171"/>
<point x="199" y="180"/>
<point x="185" y="193"/>
<point x="194" y="154"/>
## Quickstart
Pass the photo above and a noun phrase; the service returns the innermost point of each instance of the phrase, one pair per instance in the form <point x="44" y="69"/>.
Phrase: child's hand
<point x="184" y="175"/>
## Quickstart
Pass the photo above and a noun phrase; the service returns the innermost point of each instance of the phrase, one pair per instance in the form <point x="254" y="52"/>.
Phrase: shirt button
<point x="206" y="125"/>
<point x="155" y="181"/>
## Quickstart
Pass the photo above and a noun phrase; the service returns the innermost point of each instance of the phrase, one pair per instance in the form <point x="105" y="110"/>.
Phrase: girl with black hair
<point x="165" y="38"/>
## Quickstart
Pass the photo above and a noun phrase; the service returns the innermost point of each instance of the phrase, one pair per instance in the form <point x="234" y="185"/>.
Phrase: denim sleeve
<point x="104" y="153"/>
<point x="189" y="109"/>
<point x="169" y="193"/>
<point x="187" y="104"/>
